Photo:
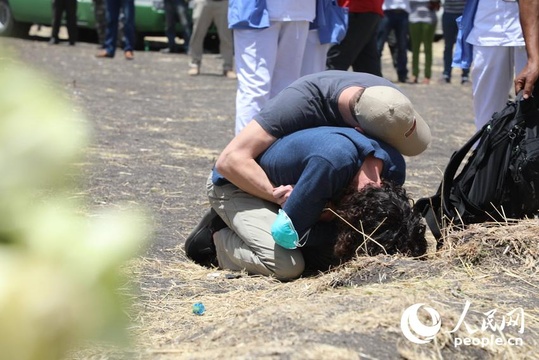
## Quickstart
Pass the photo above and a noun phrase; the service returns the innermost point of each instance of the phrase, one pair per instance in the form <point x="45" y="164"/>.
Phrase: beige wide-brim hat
<point x="387" y="114"/>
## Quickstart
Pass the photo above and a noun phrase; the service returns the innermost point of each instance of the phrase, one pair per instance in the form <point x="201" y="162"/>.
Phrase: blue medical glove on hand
<point x="283" y="231"/>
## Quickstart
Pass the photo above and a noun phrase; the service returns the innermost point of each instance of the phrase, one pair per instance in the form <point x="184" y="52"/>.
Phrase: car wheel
<point x="8" y="25"/>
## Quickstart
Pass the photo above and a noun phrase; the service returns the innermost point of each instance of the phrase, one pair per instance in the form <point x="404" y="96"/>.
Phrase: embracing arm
<point x="238" y="165"/>
<point x="529" y="19"/>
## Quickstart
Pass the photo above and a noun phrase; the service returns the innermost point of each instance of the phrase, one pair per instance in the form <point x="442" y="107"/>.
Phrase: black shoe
<point x="199" y="245"/>
<point x="54" y="41"/>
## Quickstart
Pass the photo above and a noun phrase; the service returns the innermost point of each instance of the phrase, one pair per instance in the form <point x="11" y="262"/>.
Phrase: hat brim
<point x="418" y="140"/>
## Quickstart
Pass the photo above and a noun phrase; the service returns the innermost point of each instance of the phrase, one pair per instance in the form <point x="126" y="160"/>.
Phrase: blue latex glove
<point x="283" y="231"/>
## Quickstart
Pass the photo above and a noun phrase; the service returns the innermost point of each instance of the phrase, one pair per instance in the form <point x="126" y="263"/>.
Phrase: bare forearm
<point x="237" y="161"/>
<point x="248" y="176"/>
<point x="529" y="19"/>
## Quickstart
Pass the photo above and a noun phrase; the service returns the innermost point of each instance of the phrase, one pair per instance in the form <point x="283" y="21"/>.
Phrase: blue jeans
<point x="176" y="10"/>
<point x="396" y="20"/>
<point x="113" y="16"/>
<point x="450" y="29"/>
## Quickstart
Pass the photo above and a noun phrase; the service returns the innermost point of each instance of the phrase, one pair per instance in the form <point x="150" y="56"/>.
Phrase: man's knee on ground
<point x="289" y="268"/>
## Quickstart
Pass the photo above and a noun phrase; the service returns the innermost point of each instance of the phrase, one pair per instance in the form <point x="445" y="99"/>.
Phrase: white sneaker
<point x="194" y="70"/>
<point x="230" y="74"/>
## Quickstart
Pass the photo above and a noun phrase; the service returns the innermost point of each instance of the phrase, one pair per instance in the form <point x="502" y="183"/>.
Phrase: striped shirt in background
<point x="454" y="6"/>
<point x="421" y="12"/>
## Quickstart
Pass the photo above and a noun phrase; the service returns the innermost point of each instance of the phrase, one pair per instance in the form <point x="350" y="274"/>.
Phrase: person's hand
<point x="282" y="193"/>
<point x="526" y="79"/>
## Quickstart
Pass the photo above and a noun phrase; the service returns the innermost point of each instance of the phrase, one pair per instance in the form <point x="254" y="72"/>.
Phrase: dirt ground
<point x="157" y="133"/>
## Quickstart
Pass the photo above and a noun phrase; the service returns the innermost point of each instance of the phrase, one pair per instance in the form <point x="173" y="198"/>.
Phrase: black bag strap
<point x="435" y="207"/>
<point x="431" y="218"/>
<point x="451" y="170"/>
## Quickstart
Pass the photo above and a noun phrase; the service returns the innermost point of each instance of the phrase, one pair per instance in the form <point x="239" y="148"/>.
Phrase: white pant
<point x="315" y="55"/>
<point x="267" y="61"/>
<point x="493" y="72"/>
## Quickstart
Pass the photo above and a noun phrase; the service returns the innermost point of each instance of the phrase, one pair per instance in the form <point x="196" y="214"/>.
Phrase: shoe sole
<point x="199" y="244"/>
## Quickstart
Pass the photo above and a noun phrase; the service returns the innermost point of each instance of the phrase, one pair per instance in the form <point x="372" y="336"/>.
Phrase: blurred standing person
<point x="176" y="11"/>
<point x="100" y="14"/>
<point x="395" y="19"/>
<point x="452" y="10"/>
<point x="328" y="27"/>
<point x="490" y="38"/>
<point x="113" y="15"/>
<point x="422" y="27"/>
<point x="269" y="42"/>
<point x="529" y="20"/>
<point x="359" y="47"/>
<point x="204" y="13"/>
<point x="58" y="9"/>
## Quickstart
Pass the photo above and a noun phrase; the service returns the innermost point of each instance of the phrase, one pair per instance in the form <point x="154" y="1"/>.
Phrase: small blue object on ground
<point x="198" y="308"/>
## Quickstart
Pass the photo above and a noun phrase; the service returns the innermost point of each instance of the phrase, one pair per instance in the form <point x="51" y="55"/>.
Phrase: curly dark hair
<point x="385" y="219"/>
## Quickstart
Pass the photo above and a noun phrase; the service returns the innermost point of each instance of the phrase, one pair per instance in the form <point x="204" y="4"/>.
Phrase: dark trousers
<point x="113" y="16"/>
<point x="396" y="20"/>
<point x="176" y="10"/>
<point x="450" y="29"/>
<point x="358" y="48"/>
<point x="70" y="9"/>
<point x="318" y="251"/>
<point x="100" y="14"/>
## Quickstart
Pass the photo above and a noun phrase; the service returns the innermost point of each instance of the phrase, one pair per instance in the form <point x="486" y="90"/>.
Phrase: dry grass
<point x="151" y="152"/>
<point x="349" y="313"/>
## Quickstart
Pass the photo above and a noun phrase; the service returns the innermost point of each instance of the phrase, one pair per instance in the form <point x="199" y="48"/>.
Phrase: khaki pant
<point x="247" y="243"/>
<point x="204" y="13"/>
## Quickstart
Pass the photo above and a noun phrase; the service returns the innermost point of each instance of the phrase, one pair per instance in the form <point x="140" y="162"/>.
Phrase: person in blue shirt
<point x="347" y="199"/>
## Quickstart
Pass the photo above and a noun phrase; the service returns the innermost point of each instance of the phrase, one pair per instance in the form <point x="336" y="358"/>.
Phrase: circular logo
<point x="414" y="330"/>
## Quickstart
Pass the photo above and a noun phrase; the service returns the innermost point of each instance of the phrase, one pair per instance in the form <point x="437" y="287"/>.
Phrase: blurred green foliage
<point x="59" y="270"/>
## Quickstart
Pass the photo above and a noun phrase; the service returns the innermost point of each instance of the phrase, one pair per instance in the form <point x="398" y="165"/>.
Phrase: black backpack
<point x="500" y="179"/>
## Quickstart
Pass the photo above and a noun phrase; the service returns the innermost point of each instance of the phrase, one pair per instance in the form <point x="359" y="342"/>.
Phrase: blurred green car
<point x="17" y="16"/>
